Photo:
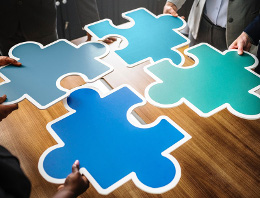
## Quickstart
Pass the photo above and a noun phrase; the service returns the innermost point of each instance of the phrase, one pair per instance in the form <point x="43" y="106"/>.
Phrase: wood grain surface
<point x="220" y="160"/>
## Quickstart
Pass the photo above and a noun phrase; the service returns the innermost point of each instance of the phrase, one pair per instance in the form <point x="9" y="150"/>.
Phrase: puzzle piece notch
<point x="116" y="149"/>
<point x="42" y="69"/>
<point x="216" y="81"/>
<point x="149" y="37"/>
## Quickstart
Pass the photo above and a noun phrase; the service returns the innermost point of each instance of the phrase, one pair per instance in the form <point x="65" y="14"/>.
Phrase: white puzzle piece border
<point x="130" y="24"/>
<point x="188" y="103"/>
<point x="85" y="78"/>
<point x="132" y="176"/>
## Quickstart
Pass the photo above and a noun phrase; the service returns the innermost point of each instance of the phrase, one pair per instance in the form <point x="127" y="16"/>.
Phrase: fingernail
<point x="76" y="162"/>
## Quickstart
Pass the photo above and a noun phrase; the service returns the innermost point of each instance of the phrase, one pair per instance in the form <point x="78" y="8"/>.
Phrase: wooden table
<point x="220" y="160"/>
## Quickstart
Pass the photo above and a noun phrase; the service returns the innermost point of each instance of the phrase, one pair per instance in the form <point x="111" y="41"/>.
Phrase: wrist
<point x="249" y="39"/>
<point x="168" y="3"/>
<point x="65" y="193"/>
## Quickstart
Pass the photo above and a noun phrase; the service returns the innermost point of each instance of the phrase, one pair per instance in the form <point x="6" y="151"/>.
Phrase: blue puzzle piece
<point x="150" y="36"/>
<point x="217" y="81"/>
<point x="42" y="69"/>
<point x="110" y="149"/>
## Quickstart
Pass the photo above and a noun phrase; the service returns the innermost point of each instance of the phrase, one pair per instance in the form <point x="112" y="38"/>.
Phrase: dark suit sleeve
<point x="13" y="182"/>
<point x="253" y="30"/>
<point x="88" y="11"/>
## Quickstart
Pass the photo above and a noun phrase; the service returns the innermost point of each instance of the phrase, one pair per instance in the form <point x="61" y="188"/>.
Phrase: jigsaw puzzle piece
<point x="149" y="37"/>
<point x="38" y="95"/>
<point x="111" y="150"/>
<point x="38" y="79"/>
<point x="236" y="79"/>
<point x="216" y="81"/>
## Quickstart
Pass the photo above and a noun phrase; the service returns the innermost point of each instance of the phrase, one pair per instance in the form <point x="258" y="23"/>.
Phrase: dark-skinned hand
<point x="5" y="110"/>
<point x="5" y="60"/>
<point x="75" y="184"/>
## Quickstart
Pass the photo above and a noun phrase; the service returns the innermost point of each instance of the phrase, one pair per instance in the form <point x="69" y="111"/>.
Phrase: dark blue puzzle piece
<point x="41" y="68"/>
<point x="150" y="36"/>
<point x="109" y="147"/>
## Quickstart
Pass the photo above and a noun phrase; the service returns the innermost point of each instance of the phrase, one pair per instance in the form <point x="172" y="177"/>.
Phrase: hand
<point x="5" y="110"/>
<point x="75" y="184"/>
<point x="110" y="40"/>
<point x="170" y="8"/>
<point x="4" y="60"/>
<point x="241" y="43"/>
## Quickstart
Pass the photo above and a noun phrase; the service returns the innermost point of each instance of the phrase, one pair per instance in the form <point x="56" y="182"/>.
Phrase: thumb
<point x="75" y="166"/>
<point x="2" y="99"/>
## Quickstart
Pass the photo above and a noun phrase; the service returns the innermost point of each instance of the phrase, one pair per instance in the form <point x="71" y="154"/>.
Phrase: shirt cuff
<point x="178" y="3"/>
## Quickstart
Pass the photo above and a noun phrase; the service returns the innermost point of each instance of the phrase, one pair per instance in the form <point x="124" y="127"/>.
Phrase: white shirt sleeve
<point x="178" y="3"/>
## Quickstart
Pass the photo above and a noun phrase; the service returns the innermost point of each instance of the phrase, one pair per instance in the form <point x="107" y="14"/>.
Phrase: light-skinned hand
<point x="241" y="43"/>
<point x="170" y="8"/>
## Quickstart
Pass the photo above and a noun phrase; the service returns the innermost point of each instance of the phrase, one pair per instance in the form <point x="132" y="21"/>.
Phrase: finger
<point x="10" y="108"/>
<point x="75" y="166"/>
<point x="112" y="38"/>
<point x="5" y="110"/>
<point x="108" y="41"/>
<point x="183" y="17"/>
<point x="8" y="60"/>
<point x="85" y="179"/>
<point x="240" y="48"/>
<point x="248" y="47"/>
<point x="173" y="13"/>
<point x="60" y="187"/>
<point x="15" y="62"/>
<point x="2" y="99"/>
<point x="233" y="46"/>
<point x="89" y="37"/>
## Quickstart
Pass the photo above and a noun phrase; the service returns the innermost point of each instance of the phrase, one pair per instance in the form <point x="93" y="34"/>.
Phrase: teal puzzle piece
<point x="111" y="150"/>
<point x="38" y="79"/>
<point x="216" y="81"/>
<point x="149" y="37"/>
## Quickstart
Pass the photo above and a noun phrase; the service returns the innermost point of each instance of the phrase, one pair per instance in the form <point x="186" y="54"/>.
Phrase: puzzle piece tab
<point x="110" y="149"/>
<point x="38" y="79"/>
<point x="218" y="80"/>
<point x="149" y="37"/>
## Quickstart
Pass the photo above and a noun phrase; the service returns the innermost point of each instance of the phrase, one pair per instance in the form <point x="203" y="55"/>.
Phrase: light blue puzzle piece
<point x="38" y="79"/>
<point x="110" y="149"/>
<point x="150" y="36"/>
<point x="217" y="81"/>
